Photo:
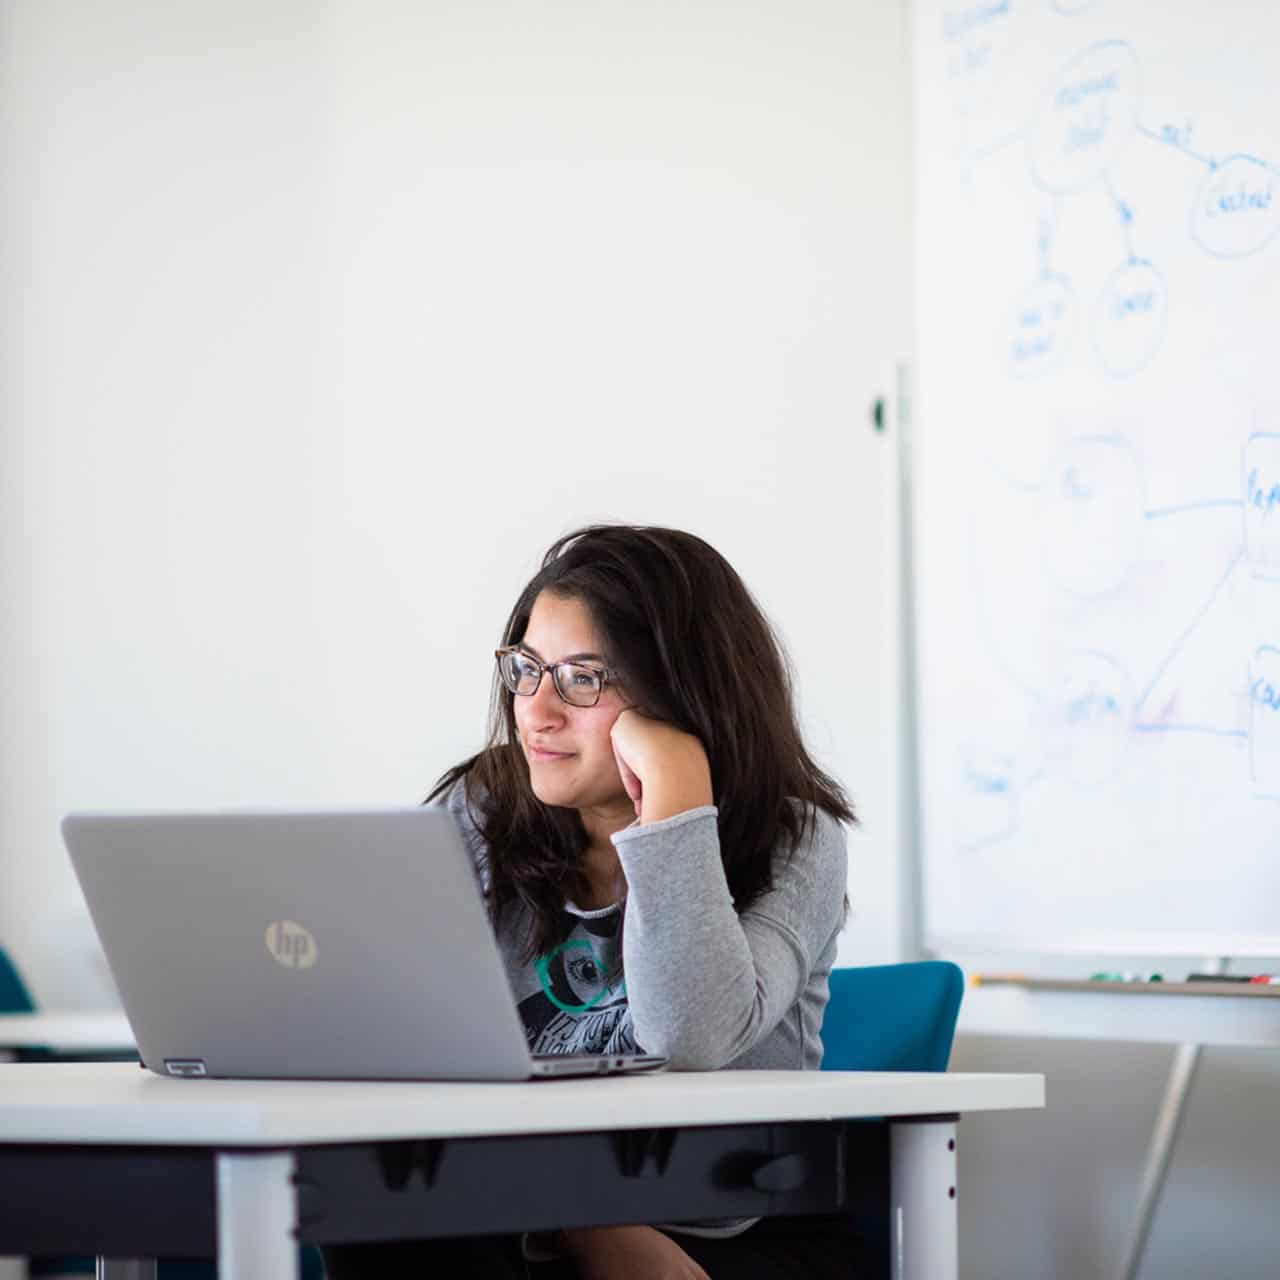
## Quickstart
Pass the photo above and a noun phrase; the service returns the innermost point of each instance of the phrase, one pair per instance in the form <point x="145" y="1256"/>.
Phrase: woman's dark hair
<point x="694" y="649"/>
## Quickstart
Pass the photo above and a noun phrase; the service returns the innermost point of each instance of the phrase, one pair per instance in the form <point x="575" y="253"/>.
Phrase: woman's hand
<point x="664" y="769"/>
<point x="629" y="1253"/>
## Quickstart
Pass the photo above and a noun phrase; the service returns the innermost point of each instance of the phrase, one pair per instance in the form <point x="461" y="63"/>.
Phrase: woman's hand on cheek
<point x="664" y="770"/>
<point x="630" y="780"/>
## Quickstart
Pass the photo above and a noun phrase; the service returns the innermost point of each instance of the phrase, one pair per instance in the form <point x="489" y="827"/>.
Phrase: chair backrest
<point x="14" y="996"/>
<point x="892" y="1017"/>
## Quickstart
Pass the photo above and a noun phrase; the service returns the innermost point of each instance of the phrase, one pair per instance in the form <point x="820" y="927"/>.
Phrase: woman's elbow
<point x="691" y="1047"/>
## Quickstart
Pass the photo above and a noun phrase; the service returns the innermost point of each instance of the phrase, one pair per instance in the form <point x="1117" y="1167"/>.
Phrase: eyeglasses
<point x="577" y="684"/>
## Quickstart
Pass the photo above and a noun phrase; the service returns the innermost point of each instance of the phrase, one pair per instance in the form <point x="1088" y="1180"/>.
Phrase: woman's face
<point x="570" y="754"/>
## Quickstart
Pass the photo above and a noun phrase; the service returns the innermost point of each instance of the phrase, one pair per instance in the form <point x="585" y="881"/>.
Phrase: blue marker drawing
<point x="1237" y="209"/>
<point x="1130" y="318"/>
<point x="1159" y="513"/>
<point x="1190" y="629"/>
<point x="1180" y="140"/>
<point x="1126" y="215"/>
<point x="1087" y="117"/>
<point x="1041" y="328"/>
<point x="1096" y="707"/>
<point x="1048" y="230"/>
<point x="1088" y="566"/>
<point x="961" y="24"/>
<point x="1263" y="495"/>
<point x="1205" y="729"/>
<point x="988" y="802"/>
<point x="972" y="38"/>
<point x="1261" y="466"/>
<point x="1264" y="719"/>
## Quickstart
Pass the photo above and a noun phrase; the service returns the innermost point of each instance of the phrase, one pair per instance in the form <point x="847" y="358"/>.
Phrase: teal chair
<point x="888" y="1017"/>
<point x="892" y="1017"/>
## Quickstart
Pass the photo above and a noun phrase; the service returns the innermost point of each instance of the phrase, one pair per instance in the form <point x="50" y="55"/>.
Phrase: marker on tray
<point x="1257" y="979"/>
<point x="1106" y="976"/>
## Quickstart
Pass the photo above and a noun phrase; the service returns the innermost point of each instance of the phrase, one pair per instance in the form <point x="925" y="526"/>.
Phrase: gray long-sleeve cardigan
<point x="693" y="979"/>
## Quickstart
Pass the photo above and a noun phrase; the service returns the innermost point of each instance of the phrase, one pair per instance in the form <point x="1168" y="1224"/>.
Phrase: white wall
<point x="322" y="320"/>
<point x="283" y="285"/>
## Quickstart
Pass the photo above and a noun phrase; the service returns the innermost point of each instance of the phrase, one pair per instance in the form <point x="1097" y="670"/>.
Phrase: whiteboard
<point x="1096" y="475"/>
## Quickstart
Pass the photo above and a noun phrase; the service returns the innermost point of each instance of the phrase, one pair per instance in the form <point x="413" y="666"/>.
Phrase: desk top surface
<point x="107" y="1031"/>
<point x="122" y="1103"/>
<point x="1111" y="1011"/>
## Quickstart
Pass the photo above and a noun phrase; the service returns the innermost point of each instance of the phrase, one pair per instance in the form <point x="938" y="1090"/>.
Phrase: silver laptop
<point x="306" y="945"/>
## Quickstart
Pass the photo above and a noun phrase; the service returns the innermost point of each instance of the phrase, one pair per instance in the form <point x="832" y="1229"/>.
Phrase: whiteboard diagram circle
<point x="1040" y="328"/>
<point x="1130" y="317"/>
<point x="1092" y="516"/>
<point x="1095" y="705"/>
<point x="986" y="803"/>
<point x="1237" y="209"/>
<point x="1088" y="116"/>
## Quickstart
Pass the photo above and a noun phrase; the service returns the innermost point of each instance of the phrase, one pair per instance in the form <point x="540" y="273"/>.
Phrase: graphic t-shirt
<point x="574" y="999"/>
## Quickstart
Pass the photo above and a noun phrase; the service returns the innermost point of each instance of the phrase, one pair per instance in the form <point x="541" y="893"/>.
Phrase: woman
<point x="663" y="861"/>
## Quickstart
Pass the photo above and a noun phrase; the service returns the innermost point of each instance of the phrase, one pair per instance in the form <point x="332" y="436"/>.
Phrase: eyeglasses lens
<point x="578" y="685"/>
<point x="519" y="674"/>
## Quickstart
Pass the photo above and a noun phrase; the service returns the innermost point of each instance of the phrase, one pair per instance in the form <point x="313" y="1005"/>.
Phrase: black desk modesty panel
<point x="146" y="1201"/>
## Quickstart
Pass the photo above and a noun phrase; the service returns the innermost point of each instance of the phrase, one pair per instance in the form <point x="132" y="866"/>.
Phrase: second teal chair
<point x="14" y="996"/>
<point x="892" y="1017"/>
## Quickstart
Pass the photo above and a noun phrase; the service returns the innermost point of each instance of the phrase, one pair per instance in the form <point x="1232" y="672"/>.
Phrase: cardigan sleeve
<point x="704" y="983"/>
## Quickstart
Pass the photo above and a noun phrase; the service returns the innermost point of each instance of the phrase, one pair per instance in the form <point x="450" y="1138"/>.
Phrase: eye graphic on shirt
<point x="573" y="977"/>
<point x="584" y="976"/>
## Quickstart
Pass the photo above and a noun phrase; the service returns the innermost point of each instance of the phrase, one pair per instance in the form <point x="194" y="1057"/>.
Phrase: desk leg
<point x="922" y="1198"/>
<point x="12" y="1268"/>
<point x="257" y="1216"/>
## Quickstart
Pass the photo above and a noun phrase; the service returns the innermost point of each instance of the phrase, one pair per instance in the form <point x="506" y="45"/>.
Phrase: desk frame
<point x="245" y="1170"/>
<point x="251" y="1207"/>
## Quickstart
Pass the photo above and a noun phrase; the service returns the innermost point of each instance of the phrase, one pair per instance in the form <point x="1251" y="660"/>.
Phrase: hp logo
<point x="290" y="944"/>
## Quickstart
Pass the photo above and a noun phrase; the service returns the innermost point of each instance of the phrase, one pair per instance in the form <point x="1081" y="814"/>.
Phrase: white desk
<point x="65" y="1033"/>
<point x="102" y="1034"/>
<point x="253" y="1165"/>
<point x="1118" y="1011"/>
